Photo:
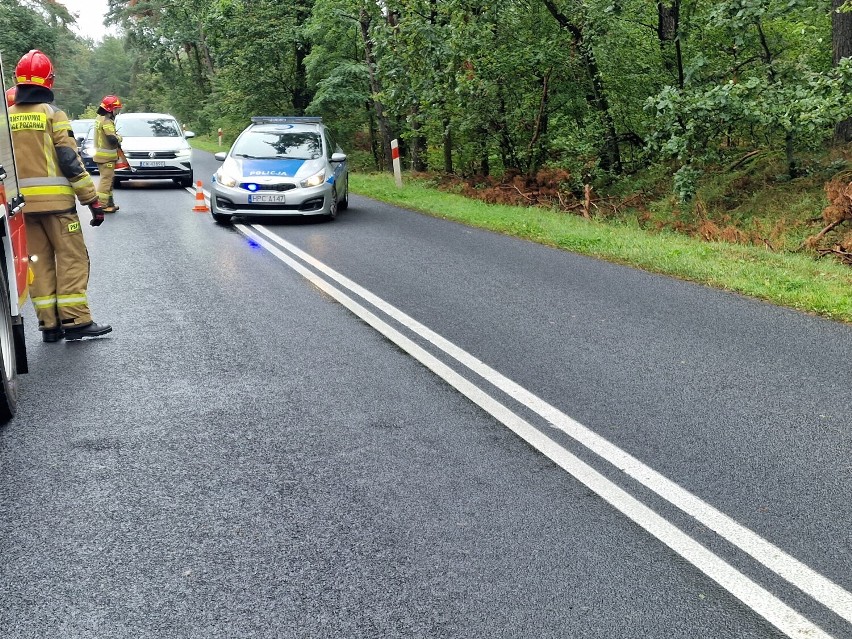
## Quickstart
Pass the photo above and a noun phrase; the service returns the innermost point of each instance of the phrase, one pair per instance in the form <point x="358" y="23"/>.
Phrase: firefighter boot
<point x="86" y="330"/>
<point x="52" y="334"/>
<point x="111" y="206"/>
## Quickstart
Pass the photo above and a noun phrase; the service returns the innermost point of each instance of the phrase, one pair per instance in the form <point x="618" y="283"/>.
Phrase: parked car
<point x="156" y="148"/>
<point x="80" y="129"/>
<point x="87" y="151"/>
<point x="281" y="166"/>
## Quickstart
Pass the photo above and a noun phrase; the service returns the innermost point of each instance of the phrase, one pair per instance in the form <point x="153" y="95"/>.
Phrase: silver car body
<point x="281" y="166"/>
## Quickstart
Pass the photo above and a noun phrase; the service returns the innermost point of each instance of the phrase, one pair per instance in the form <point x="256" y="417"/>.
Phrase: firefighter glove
<point x="97" y="213"/>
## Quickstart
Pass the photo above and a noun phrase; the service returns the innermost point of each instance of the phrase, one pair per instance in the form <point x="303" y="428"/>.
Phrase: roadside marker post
<point x="220" y="136"/>
<point x="397" y="170"/>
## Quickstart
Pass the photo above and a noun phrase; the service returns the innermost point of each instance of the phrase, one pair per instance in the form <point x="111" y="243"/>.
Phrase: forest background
<point x="725" y="121"/>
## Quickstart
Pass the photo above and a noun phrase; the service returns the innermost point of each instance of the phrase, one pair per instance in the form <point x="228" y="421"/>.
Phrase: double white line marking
<point x="764" y="603"/>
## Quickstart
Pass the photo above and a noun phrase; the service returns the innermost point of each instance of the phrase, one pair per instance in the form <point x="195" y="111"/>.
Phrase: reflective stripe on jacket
<point x="50" y="171"/>
<point x="107" y="140"/>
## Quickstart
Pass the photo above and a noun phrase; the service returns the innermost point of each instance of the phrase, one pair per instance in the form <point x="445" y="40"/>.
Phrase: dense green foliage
<point x="85" y="72"/>
<point x="598" y="88"/>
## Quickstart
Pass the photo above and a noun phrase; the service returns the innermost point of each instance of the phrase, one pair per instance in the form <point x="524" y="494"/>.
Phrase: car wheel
<point x="220" y="218"/>
<point x="344" y="203"/>
<point x="116" y="184"/>
<point x="185" y="182"/>
<point x="8" y="358"/>
<point x="332" y="207"/>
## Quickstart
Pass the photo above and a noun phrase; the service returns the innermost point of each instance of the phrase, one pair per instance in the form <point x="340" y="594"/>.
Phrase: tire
<point x="116" y="184"/>
<point x="185" y="182"/>
<point x="344" y="203"/>
<point x="8" y="358"/>
<point x="332" y="207"/>
<point x="220" y="218"/>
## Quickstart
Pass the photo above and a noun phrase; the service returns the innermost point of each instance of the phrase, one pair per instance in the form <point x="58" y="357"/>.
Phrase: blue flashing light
<point x="252" y="187"/>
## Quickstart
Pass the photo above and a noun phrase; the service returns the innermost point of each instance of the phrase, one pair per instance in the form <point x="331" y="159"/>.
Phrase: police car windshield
<point x="294" y="145"/>
<point x="148" y="128"/>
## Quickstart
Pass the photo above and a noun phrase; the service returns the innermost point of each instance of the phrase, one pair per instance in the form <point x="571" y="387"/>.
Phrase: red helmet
<point x="110" y="103"/>
<point x="10" y="97"/>
<point x="35" y="68"/>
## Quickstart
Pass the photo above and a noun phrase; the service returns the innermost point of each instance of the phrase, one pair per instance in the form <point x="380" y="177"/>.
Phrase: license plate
<point x="266" y="199"/>
<point x="150" y="164"/>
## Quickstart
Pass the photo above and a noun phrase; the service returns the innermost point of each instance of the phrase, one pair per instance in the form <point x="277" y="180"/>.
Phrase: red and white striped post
<point x="220" y="136"/>
<point x="397" y="169"/>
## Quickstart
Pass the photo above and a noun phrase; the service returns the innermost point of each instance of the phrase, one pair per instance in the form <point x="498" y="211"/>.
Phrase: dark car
<point x="81" y="128"/>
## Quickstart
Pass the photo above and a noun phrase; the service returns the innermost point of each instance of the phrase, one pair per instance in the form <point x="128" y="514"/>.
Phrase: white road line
<point x="822" y="589"/>
<point x="761" y="601"/>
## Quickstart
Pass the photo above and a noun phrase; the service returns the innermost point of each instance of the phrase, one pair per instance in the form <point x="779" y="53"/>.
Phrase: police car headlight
<point x="314" y="180"/>
<point x="225" y="179"/>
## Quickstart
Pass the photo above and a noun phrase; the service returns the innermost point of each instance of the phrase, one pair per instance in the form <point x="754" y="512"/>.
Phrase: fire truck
<point x="14" y="272"/>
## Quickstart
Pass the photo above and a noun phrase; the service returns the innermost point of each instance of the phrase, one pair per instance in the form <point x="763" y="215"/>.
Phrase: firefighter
<point x="10" y="97"/>
<point x="51" y="174"/>
<point x="107" y="145"/>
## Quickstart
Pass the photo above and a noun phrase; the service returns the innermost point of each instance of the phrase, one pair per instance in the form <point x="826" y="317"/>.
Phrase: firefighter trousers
<point x="106" y="183"/>
<point x="61" y="269"/>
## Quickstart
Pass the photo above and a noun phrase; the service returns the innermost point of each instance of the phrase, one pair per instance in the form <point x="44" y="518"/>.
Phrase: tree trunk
<point x="668" y="32"/>
<point x="384" y="127"/>
<point x="484" y="168"/>
<point x="789" y="148"/>
<point x="448" y="147"/>
<point x="508" y="154"/>
<point x="535" y="150"/>
<point x="301" y="95"/>
<point x="598" y="98"/>
<point x="841" y="47"/>
<point x="419" y="144"/>
<point x="201" y="79"/>
<point x="374" y="144"/>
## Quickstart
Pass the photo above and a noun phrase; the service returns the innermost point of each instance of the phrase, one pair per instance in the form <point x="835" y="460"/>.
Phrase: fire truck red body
<point x="14" y="272"/>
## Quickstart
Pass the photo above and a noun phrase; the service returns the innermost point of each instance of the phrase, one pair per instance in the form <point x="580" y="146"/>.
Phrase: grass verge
<point x="793" y="280"/>
<point x="209" y="144"/>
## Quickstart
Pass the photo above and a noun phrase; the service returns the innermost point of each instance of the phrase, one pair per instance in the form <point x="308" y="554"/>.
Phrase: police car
<point x="281" y="166"/>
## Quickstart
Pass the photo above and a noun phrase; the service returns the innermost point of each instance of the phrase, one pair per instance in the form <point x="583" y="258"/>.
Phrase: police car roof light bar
<point x="285" y="119"/>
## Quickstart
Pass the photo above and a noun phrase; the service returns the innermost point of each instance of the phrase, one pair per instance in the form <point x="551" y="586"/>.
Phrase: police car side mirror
<point x="338" y="157"/>
<point x="221" y="155"/>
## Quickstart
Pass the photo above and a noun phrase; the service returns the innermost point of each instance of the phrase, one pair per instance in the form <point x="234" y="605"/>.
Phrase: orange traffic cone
<point x="200" y="202"/>
<point x="122" y="163"/>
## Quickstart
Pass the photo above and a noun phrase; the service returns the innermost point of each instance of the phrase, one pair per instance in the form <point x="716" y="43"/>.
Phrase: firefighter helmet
<point x="110" y="103"/>
<point x="35" y="68"/>
<point x="10" y="97"/>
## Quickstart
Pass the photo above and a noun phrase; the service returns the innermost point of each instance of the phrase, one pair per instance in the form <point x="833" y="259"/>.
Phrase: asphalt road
<point x="256" y="454"/>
